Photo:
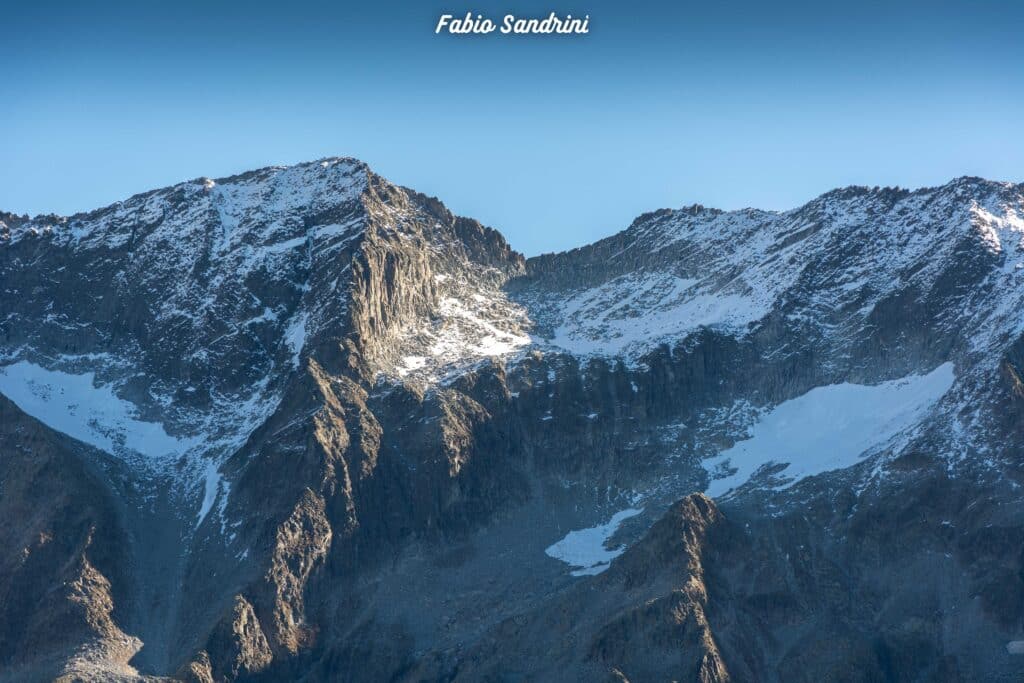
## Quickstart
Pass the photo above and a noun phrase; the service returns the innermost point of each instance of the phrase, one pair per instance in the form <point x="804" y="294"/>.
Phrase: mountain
<point x="304" y="424"/>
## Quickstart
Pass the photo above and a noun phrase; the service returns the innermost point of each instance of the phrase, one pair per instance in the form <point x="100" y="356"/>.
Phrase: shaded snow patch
<point x="828" y="428"/>
<point x="75" y="405"/>
<point x="211" y="487"/>
<point x="586" y="551"/>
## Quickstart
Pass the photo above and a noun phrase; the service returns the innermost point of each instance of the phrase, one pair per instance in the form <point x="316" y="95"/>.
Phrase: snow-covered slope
<point x="177" y="313"/>
<point x="672" y="272"/>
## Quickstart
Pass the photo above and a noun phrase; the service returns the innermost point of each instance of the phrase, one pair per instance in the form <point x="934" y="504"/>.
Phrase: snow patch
<point x="586" y="551"/>
<point x="993" y="228"/>
<point x="470" y="334"/>
<point x="410" y="364"/>
<point x="75" y="405"/>
<point x="829" y="428"/>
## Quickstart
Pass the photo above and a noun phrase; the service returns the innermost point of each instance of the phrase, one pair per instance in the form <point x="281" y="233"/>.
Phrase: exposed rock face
<point x="239" y="643"/>
<point x="643" y="619"/>
<point x="304" y="424"/>
<point x="63" y="571"/>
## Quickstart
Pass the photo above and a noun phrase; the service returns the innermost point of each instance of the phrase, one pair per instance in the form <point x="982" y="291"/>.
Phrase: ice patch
<point x="829" y="428"/>
<point x="586" y="551"/>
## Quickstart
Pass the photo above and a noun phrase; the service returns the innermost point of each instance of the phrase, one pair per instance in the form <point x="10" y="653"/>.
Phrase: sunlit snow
<point x="829" y="428"/>
<point x="464" y="330"/>
<point x="629" y="314"/>
<point x="586" y="549"/>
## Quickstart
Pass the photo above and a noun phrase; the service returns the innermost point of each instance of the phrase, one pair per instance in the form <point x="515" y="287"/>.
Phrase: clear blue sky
<point x="554" y="141"/>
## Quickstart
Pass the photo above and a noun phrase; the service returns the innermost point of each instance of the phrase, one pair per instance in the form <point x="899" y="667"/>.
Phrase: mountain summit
<point x="305" y="424"/>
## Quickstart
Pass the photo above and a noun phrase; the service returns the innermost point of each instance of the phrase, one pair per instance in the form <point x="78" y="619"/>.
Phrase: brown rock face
<point x="239" y="643"/>
<point x="669" y="636"/>
<point x="301" y="546"/>
<point x="62" y="574"/>
<point x="643" y="619"/>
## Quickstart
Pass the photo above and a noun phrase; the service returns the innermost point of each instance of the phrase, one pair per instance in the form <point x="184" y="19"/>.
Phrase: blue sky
<point x="556" y="141"/>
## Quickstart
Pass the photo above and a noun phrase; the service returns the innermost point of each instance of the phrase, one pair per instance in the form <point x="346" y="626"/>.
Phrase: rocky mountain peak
<point x="191" y="307"/>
